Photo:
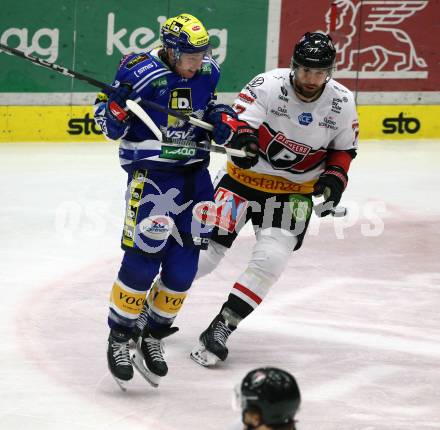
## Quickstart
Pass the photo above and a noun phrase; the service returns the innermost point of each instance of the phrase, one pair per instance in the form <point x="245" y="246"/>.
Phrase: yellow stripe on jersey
<point x="268" y="183"/>
<point x="131" y="211"/>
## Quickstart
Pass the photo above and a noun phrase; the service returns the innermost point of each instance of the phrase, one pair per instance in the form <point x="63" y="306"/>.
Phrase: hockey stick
<point x="134" y="107"/>
<point x="76" y="75"/>
<point x="338" y="212"/>
<point x="194" y="121"/>
<point x="145" y="118"/>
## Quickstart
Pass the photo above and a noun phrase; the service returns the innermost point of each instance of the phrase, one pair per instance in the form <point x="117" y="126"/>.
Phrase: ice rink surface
<point x="355" y="317"/>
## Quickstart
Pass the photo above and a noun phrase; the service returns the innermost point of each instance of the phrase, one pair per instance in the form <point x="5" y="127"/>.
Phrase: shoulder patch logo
<point x="206" y="68"/>
<point x="136" y="60"/>
<point x="257" y="82"/>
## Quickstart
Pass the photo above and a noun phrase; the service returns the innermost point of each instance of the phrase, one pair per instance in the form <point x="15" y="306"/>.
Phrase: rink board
<point x="48" y="124"/>
<point x="75" y="123"/>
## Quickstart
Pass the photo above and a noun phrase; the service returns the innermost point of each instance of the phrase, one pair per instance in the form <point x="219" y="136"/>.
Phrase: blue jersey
<point x="153" y="80"/>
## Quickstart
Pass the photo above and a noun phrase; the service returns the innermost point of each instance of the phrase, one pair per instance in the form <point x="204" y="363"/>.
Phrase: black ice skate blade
<point x="138" y="364"/>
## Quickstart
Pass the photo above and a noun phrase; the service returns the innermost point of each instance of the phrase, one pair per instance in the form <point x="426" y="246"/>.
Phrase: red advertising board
<point x="383" y="45"/>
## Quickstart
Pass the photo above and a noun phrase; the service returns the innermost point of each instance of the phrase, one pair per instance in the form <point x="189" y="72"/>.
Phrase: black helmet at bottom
<point x="274" y="392"/>
<point x="315" y="51"/>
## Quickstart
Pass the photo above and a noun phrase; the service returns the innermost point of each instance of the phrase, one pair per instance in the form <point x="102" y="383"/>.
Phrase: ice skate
<point x="148" y="358"/>
<point x="118" y="358"/>
<point x="212" y="343"/>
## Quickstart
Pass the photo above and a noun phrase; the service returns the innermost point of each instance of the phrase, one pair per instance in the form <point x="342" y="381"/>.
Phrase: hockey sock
<point x="125" y="306"/>
<point x="163" y="305"/>
<point x="235" y="309"/>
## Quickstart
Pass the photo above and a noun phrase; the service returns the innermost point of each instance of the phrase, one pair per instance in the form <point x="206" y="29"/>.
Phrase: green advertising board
<point x="91" y="37"/>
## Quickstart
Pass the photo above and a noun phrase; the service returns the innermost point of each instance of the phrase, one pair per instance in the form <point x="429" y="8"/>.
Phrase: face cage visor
<point x="240" y="403"/>
<point x="328" y="70"/>
<point x="179" y="54"/>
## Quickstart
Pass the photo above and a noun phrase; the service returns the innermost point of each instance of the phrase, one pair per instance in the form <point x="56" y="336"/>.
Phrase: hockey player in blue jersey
<point x="168" y="188"/>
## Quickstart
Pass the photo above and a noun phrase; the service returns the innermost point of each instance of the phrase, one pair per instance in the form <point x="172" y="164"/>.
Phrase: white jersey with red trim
<point x="294" y="136"/>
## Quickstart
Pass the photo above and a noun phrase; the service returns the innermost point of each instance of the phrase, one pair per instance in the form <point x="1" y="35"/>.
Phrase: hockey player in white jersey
<point x="307" y="128"/>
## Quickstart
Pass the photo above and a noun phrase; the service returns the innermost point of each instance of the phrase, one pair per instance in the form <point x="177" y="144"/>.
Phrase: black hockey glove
<point x="245" y="138"/>
<point x="331" y="184"/>
<point x="223" y="118"/>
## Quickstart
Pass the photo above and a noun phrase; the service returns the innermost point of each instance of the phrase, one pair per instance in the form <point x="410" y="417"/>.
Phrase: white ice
<point x="355" y="317"/>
